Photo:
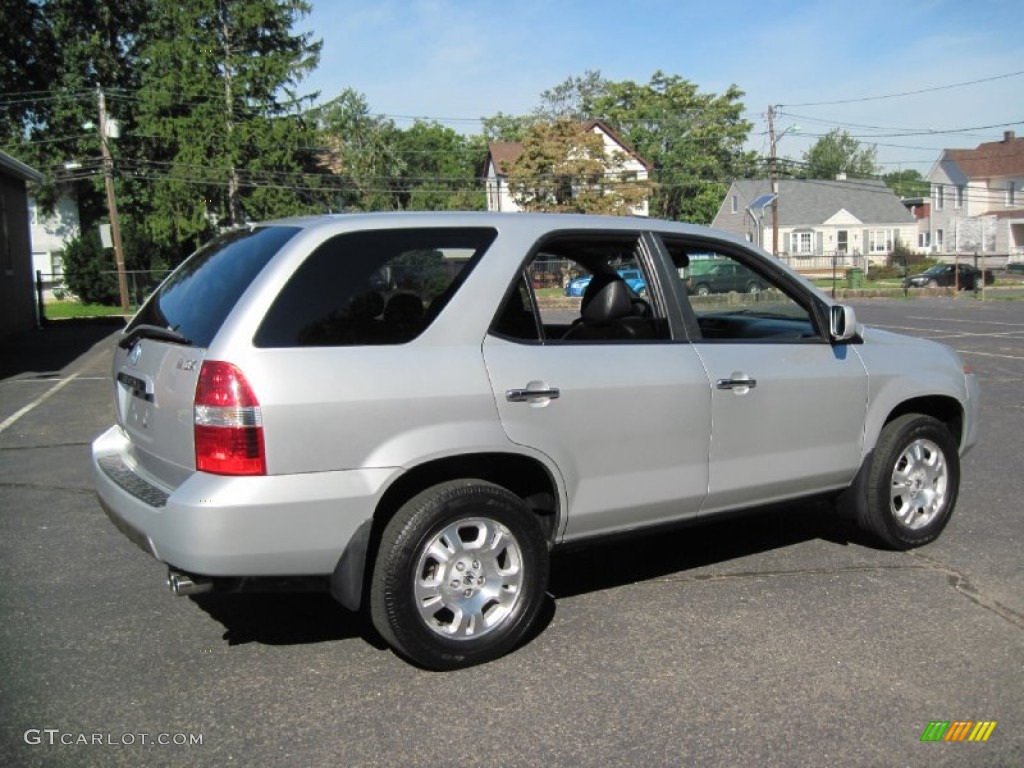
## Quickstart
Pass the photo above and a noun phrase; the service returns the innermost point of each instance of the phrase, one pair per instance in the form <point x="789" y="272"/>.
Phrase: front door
<point x="787" y="407"/>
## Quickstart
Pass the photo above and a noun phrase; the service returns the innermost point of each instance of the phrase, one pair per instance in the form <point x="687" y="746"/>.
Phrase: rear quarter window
<point x="373" y="287"/>
<point x="200" y="293"/>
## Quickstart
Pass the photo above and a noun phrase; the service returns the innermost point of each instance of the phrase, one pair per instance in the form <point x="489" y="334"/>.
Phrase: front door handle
<point x="527" y="395"/>
<point x="736" y="383"/>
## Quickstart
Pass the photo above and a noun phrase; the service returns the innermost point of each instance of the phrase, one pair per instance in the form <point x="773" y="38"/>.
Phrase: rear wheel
<point x="460" y="576"/>
<point x="754" y="287"/>
<point x="911" y="483"/>
<point x="702" y="289"/>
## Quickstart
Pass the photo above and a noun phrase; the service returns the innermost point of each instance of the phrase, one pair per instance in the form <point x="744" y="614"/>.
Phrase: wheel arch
<point x="944" y="408"/>
<point x="525" y="476"/>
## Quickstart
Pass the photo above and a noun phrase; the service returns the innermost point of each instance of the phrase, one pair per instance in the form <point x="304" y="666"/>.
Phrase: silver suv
<point x="390" y="407"/>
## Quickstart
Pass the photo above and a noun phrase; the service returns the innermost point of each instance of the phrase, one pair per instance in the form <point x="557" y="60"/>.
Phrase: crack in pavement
<point x="957" y="580"/>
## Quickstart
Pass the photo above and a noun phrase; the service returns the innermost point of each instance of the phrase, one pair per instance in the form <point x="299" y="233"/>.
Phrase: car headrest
<point x="608" y="302"/>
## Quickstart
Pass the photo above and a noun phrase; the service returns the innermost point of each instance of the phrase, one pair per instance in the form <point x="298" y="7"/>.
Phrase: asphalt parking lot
<point x="771" y="640"/>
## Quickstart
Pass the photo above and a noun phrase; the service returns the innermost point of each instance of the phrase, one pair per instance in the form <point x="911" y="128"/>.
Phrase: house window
<point x="842" y="241"/>
<point x="922" y="239"/>
<point x="880" y="240"/>
<point x="735" y="204"/>
<point x="959" y="201"/>
<point x="940" y="197"/>
<point x="801" y="243"/>
<point x="938" y="239"/>
<point x="1011" y="193"/>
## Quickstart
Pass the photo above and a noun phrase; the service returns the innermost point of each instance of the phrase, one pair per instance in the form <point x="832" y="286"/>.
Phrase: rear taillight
<point x="228" y="423"/>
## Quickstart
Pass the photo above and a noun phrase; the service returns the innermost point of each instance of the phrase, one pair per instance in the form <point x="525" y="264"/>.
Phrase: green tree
<point x="26" y="67"/>
<point x="362" y="150"/>
<point x="70" y="48"/>
<point x="503" y="127"/>
<point x="908" y="183"/>
<point x="838" y="152"/>
<point x="219" y="103"/>
<point x="694" y="140"/>
<point x="573" y="98"/>
<point x="441" y="169"/>
<point x="564" y="169"/>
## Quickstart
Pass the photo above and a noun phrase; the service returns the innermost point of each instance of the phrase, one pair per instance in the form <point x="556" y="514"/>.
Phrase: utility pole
<point x="115" y="224"/>
<point x="773" y="179"/>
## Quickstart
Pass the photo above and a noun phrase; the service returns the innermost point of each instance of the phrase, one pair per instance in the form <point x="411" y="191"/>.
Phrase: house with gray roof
<point x="857" y="220"/>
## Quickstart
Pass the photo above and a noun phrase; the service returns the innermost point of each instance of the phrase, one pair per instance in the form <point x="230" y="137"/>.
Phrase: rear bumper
<point x="216" y="526"/>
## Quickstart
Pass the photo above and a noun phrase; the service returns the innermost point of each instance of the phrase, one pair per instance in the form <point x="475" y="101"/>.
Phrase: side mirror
<point x="842" y="323"/>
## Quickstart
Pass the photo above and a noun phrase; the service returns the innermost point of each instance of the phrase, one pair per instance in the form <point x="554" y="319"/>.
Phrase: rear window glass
<point x="200" y="293"/>
<point x="375" y="287"/>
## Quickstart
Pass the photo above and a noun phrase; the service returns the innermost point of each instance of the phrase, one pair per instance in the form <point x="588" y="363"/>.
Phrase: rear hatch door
<point x="158" y="358"/>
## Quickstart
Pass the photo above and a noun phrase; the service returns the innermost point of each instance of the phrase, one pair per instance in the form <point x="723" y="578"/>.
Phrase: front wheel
<point x="911" y="483"/>
<point x="461" y="575"/>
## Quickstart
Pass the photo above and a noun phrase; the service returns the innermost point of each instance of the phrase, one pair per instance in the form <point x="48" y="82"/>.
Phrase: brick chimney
<point x="1009" y="136"/>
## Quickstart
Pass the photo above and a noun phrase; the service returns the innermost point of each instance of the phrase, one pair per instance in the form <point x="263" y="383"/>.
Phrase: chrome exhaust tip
<point x="183" y="584"/>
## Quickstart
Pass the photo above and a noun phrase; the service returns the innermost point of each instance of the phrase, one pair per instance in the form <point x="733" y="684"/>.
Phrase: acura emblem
<point x="135" y="354"/>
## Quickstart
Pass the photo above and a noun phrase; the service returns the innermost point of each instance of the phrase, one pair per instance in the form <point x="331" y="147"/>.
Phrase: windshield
<point x="200" y="293"/>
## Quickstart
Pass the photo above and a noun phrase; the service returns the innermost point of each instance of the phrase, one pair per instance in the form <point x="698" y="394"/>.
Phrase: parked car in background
<point x="963" y="276"/>
<point x="723" y="277"/>
<point x="633" y="277"/>
<point x="381" y="406"/>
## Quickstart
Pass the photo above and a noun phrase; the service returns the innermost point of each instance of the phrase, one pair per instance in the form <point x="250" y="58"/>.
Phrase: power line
<point x="904" y="93"/>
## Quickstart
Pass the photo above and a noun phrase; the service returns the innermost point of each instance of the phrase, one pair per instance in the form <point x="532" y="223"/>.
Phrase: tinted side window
<point x="200" y="293"/>
<point x="376" y="287"/>
<point x="584" y="289"/>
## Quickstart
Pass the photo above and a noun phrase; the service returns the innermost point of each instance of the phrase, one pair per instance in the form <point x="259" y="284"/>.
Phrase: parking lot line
<point x="39" y="400"/>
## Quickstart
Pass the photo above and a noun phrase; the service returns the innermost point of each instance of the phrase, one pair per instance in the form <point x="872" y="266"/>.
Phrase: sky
<point x="455" y="61"/>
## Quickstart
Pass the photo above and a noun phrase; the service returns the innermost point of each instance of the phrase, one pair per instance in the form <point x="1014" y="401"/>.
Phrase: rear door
<point x="625" y="421"/>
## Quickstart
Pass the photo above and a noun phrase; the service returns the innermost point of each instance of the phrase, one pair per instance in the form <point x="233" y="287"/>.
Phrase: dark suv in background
<point x="722" y="277"/>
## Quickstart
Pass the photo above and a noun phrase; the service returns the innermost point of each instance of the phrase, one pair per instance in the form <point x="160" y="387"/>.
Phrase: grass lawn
<point x="55" y="310"/>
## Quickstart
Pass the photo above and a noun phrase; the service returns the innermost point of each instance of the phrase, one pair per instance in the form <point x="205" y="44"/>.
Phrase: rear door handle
<point x="526" y="395"/>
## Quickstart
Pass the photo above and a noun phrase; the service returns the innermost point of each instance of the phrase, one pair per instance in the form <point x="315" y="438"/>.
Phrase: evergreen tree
<point x="218" y="101"/>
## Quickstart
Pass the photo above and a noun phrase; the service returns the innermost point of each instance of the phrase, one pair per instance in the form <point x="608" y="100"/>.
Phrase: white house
<point x="820" y="219"/>
<point x="977" y="198"/>
<point x="502" y="154"/>
<point x="50" y="233"/>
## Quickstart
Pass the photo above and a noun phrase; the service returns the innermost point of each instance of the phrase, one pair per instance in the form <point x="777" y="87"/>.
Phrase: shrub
<point x="90" y="271"/>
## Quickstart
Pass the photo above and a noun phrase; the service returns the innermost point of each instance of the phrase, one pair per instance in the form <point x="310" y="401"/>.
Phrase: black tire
<point x="501" y="587"/>
<point x="702" y="289"/>
<point x="754" y="287"/>
<point x="906" y="493"/>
